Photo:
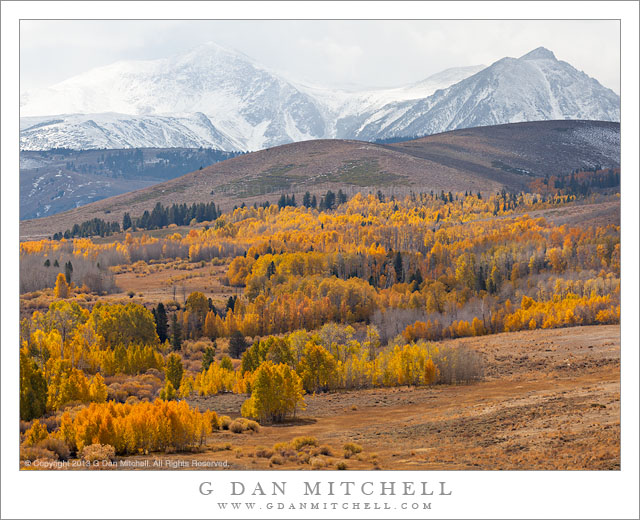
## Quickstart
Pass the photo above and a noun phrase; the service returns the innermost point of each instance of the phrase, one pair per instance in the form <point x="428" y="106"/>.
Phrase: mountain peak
<point x="539" y="54"/>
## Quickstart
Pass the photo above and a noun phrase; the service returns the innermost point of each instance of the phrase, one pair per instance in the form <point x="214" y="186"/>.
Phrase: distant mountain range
<point x="214" y="97"/>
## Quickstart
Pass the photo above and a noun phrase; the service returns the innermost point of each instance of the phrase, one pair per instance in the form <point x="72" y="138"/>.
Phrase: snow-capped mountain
<point x="535" y="87"/>
<point x="110" y="130"/>
<point x="241" y="99"/>
<point x="216" y="97"/>
<point x="340" y="106"/>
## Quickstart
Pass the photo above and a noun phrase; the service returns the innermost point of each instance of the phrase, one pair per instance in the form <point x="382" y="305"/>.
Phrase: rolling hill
<point x="53" y="181"/>
<point x="484" y="159"/>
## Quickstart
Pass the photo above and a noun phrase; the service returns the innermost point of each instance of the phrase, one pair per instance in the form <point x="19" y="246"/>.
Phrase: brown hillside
<point x="479" y="159"/>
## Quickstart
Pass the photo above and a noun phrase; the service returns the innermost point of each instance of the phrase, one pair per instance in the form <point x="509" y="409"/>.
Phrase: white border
<point x="175" y="495"/>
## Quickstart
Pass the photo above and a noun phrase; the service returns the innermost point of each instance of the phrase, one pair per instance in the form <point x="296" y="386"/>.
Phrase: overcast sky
<point x="332" y="53"/>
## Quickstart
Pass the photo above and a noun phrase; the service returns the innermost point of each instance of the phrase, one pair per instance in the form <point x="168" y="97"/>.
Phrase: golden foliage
<point x="137" y="428"/>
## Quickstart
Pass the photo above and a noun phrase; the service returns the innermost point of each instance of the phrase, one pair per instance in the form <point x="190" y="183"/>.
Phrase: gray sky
<point x="333" y="53"/>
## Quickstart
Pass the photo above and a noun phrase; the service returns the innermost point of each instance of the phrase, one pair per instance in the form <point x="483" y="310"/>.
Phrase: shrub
<point x="304" y="458"/>
<point x="317" y="463"/>
<point x="38" y="432"/>
<point x="55" y="445"/>
<point x="213" y="419"/>
<point x="32" y="453"/>
<point x="284" y="448"/>
<point x="350" y="449"/>
<point x="253" y="426"/>
<point x="222" y="447"/>
<point x="225" y="421"/>
<point x="300" y="442"/>
<point x="325" y="450"/>
<point x="24" y="426"/>
<point x="276" y="460"/>
<point x="342" y="465"/>
<point x="192" y="347"/>
<point x="52" y="423"/>
<point x="237" y="426"/>
<point x="95" y="452"/>
<point x="281" y="447"/>
<point x="263" y="452"/>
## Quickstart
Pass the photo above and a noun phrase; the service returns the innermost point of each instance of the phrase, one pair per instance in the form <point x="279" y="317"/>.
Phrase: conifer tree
<point x="176" y="333"/>
<point x="162" y="322"/>
<point x="174" y="370"/>
<point x="237" y="344"/>
<point x="33" y="388"/>
<point x="126" y="221"/>
<point x="397" y="264"/>
<point x="68" y="271"/>
<point x="208" y="358"/>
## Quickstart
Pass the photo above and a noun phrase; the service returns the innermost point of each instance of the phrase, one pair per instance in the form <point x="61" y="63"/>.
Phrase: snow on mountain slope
<point x="535" y="87"/>
<point x="339" y="104"/>
<point x="245" y="101"/>
<point x="111" y="130"/>
<point x="215" y="97"/>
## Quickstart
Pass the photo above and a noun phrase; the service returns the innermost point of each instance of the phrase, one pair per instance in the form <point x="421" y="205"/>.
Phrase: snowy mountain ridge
<point x="215" y="97"/>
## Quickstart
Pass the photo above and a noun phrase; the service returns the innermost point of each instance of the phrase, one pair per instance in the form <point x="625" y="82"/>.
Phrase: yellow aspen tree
<point x="61" y="289"/>
<point x="98" y="389"/>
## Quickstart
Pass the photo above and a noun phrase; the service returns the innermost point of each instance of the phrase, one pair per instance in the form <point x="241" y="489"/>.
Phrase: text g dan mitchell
<point x="329" y="489"/>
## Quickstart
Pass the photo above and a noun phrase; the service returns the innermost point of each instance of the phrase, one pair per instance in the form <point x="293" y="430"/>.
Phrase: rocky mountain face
<point x="535" y="87"/>
<point x="218" y="98"/>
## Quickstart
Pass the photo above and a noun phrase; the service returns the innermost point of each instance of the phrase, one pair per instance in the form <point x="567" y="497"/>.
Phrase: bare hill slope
<point x="479" y="159"/>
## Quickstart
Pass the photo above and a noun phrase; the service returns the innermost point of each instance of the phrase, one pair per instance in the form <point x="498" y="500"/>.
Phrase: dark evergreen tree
<point x="162" y="322"/>
<point x="397" y="265"/>
<point x="416" y="277"/>
<point x="237" y="344"/>
<point x="271" y="270"/>
<point x="126" y="221"/>
<point x="208" y="357"/>
<point x="68" y="271"/>
<point x="329" y="200"/>
<point x="176" y="333"/>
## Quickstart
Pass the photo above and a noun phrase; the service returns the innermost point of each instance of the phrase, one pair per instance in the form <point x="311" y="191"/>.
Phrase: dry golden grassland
<point x="550" y="400"/>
